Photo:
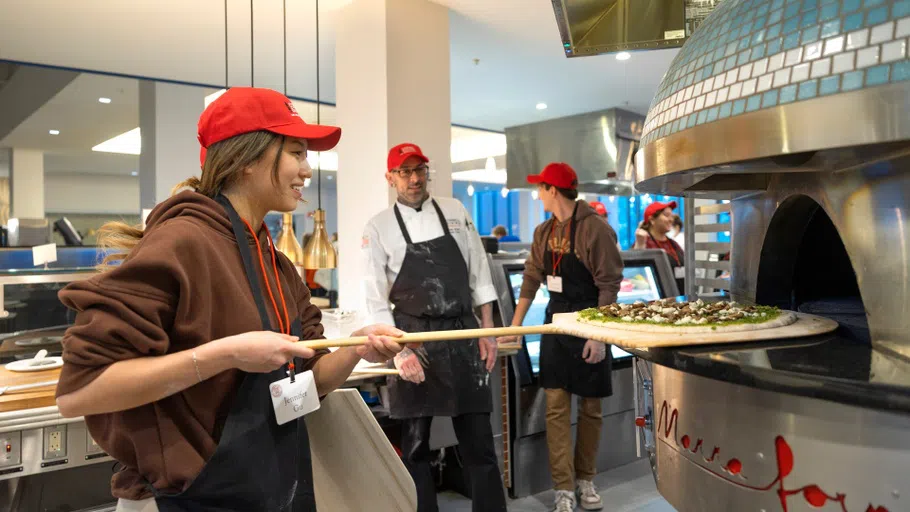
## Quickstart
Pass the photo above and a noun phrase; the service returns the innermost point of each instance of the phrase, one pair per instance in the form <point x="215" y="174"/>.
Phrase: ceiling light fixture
<point x="541" y="106"/>
<point x="623" y="56"/>
<point x="54" y="132"/>
<point x="134" y="173"/>
<point x="104" y="100"/>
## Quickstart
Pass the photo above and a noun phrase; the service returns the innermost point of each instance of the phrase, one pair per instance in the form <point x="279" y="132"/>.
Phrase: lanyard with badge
<point x="295" y="395"/>
<point x="554" y="282"/>
<point x="679" y="271"/>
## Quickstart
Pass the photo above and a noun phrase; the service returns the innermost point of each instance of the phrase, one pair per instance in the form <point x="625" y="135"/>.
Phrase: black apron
<point x="561" y="363"/>
<point x="432" y="293"/>
<point x="677" y="259"/>
<point x="258" y="464"/>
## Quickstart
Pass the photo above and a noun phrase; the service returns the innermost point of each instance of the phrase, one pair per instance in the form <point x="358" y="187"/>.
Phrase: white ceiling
<point x="520" y="62"/>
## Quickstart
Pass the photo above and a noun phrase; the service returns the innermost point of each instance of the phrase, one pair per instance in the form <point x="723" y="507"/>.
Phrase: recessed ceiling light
<point x="104" y="100"/>
<point x="134" y="173"/>
<point x="541" y="106"/>
<point x="54" y="132"/>
<point x="623" y="56"/>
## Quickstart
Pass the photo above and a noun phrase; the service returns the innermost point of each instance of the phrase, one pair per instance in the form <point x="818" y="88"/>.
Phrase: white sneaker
<point x="565" y="501"/>
<point x="587" y="495"/>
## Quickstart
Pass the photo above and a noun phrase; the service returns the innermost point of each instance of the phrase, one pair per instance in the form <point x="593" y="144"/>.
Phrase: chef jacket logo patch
<point x="454" y="225"/>
<point x="276" y="390"/>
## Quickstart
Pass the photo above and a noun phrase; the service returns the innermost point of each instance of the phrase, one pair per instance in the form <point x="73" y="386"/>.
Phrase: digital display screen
<point x="638" y="283"/>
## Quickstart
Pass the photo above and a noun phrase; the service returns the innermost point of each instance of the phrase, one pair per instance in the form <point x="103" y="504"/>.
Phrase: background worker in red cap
<point x="653" y="234"/>
<point x="574" y="253"/>
<point x="425" y="258"/>
<point x="180" y="355"/>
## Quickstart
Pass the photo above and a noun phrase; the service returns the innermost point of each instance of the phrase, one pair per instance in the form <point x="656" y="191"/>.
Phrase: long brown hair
<point x="224" y="164"/>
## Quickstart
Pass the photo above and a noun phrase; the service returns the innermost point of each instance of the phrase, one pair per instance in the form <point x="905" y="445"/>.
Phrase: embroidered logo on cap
<point x="292" y="109"/>
<point x="408" y="149"/>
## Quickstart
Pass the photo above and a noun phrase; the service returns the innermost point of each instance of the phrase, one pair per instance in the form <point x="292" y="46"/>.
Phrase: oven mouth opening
<point x="805" y="267"/>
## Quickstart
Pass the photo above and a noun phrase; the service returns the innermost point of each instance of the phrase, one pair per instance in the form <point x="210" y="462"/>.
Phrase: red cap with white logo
<point x="402" y="152"/>
<point x="247" y="109"/>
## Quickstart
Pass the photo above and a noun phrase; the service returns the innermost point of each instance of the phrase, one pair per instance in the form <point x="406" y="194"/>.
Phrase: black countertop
<point x="831" y="367"/>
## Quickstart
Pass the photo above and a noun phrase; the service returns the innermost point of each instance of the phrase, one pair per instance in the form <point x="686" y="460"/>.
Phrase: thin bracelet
<point x="196" y="365"/>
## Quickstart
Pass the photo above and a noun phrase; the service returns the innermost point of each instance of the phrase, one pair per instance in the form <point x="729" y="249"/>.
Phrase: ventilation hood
<point x="599" y="145"/>
<point x="591" y="27"/>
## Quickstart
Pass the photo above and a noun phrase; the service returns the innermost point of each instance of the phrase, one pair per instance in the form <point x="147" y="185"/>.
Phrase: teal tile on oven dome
<point x="788" y="94"/>
<point x="877" y="75"/>
<point x="852" y="81"/>
<point x="900" y="71"/>
<point x="829" y="85"/>
<point x="740" y="32"/>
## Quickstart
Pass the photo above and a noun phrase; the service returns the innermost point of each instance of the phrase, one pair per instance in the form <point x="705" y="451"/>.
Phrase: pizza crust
<point x="785" y="318"/>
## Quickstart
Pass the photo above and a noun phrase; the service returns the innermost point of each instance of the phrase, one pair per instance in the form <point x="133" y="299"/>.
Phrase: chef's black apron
<point x="432" y="293"/>
<point x="561" y="363"/>
<point x="258" y="464"/>
<point x="677" y="259"/>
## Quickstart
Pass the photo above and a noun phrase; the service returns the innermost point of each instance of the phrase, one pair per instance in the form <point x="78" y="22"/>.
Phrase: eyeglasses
<point x="421" y="171"/>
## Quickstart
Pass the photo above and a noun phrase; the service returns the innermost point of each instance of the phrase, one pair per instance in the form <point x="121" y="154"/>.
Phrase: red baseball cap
<point x="599" y="207"/>
<point x="402" y="152"/>
<point x="557" y="174"/>
<point x="656" y="207"/>
<point x="247" y="109"/>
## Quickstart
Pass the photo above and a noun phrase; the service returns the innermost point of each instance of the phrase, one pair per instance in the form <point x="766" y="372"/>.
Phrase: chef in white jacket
<point x="424" y="257"/>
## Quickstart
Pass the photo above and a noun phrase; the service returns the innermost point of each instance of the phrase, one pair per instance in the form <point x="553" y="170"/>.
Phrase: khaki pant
<point x="564" y="469"/>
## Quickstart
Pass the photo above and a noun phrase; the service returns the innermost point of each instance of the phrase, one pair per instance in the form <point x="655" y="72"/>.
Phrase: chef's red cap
<point x="557" y="174"/>
<point x="247" y="109"/>
<point x="402" y="152"/>
<point x="599" y="207"/>
<point x="655" y="208"/>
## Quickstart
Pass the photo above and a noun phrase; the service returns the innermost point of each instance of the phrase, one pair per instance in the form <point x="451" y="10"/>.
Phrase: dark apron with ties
<point x="677" y="259"/>
<point x="432" y="293"/>
<point x="561" y="363"/>
<point x="258" y="464"/>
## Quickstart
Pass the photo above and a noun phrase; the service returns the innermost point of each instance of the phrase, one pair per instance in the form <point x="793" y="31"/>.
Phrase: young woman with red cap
<point x="653" y="234"/>
<point x="181" y="353"/>
<point x="575" y="254"/>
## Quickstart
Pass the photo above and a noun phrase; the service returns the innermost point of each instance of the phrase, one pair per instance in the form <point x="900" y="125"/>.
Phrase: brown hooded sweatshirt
<point x="182" y="286"/>
<point x="595" y="246"/>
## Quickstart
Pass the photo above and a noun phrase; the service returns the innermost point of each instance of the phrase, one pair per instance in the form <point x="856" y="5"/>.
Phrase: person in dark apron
<point x="653" y="233"/>
<point x="575" y="253"/>
<point x="432" y="292"/>
<point x="202" y="433"/>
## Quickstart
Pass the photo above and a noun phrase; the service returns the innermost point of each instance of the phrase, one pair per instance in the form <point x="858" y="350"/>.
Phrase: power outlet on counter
<point x="10" y="449"/>
<point x="54" y="442"/>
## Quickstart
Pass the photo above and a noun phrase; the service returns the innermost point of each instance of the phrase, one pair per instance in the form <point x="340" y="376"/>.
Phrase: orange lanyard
<point x="556" y="261"/>
<point x="285" y="325"/>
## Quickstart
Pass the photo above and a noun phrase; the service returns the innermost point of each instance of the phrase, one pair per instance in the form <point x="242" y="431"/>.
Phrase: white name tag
<point x="680" y="272"/>
<point x="292" y="400"/>
<point x="554" y="284"/>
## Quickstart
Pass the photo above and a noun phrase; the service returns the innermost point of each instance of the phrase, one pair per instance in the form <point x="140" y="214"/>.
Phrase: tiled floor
<point x="629" y="488"/>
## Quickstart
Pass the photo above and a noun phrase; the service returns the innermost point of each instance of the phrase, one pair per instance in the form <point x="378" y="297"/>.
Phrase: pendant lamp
<point x="319" y="252"/>
<point x="287" y="240"/>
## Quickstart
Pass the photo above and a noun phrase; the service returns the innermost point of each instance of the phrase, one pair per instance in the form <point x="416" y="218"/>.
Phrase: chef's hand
<point x="408" y="365"/>
<point x="381" y="345"/>
<point x="488" y="350"/>
<point x="261" y="351"/>
<point x="594" y="351"/>
<point x="508" y="340"/>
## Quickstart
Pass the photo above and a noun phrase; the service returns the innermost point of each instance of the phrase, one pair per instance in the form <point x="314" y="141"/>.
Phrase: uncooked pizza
<point x="668" y="315"/>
